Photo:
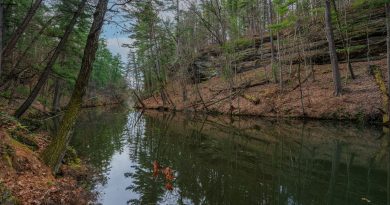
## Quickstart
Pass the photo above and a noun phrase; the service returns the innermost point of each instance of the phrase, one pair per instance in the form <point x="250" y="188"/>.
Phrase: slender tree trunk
<point x="368" y="45"/>
<point x="332" y="50"/>
<point x="279" y="56"/>
<point x="46" y="72"/>
<point x="20" y="30"/>
<point x="388" y="50"/>
<point x="57" y="95"/>
<point x="388" y="169"/>
<point x="1" y="33"/>
<point x="14" y="73"/>
<point x="344" y="39"/>
<point x="178" y="60"/>
<point x="14" y="85"/>
<point x="55" y="151"/>
<point x="31" y="44"/>
<point x="300" y="88"/>
<point x="348" y="47"/>
<point x="271" y="36"/>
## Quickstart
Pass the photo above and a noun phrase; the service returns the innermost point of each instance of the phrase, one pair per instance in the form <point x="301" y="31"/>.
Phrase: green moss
<point x="261" y="75"/>
<point x="23" y="90"/>
<point x="382" y="87"/>
<point x="70" y="157"/>
<point x="360" y="116"/>
<point x="75" y="164"/>
<point x="7" y="158"/>
<point x="6" y="196"/>
<point x="6" y="152"/>
<point x="25" y="139"/>
<point x="363" y="4"/>
<point x="18" y="131"/>
<point x="56" y="150"/>
<point x="51" y="183"/>
<point x="352" y="49"/>
<point x="237" y="44"/>
<point x="5" y="94"/>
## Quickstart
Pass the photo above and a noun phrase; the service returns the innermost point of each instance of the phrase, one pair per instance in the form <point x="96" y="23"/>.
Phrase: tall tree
<point x="20" y="30"/>
<point x="55" y="151"/>
<point x="387" y="8"/>
<point x="344" y="39"/>
<point x="332" y="49"/>
<point x="1" y="32"/>
<point x="271" y="37"/>
<point x="49" y="66"/>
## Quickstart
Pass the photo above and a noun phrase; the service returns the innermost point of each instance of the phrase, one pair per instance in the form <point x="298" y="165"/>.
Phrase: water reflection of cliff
<point x="217" y="160"/>
<point x="250" y="161"/>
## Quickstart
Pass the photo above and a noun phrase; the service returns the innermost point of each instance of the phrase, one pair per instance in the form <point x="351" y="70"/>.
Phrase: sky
<point x="115" y="37"/>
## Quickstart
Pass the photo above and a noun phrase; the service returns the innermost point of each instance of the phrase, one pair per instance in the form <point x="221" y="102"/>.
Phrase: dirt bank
<point x="254" y="94"/>
<point x="24" y="179"/>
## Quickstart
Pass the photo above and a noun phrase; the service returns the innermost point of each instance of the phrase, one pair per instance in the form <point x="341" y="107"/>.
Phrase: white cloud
<point x="115" y="46"/>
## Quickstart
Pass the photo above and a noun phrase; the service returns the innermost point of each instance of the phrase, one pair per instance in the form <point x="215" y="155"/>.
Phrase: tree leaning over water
<point x="49" y="66"/>
<point x="56" y="150"/>
<point x="20" y="30"/>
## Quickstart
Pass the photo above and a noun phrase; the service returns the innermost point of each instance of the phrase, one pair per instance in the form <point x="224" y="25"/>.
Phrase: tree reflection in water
<point x="217" y="160"/>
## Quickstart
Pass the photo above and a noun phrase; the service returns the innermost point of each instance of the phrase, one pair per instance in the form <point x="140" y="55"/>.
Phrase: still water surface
<point x="217" y="160"/>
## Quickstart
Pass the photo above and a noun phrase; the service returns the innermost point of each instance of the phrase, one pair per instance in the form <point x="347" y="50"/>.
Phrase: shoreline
<point x="361" y="100"/>
<point x="25" y="179"/>
<point x="377" y="121"/>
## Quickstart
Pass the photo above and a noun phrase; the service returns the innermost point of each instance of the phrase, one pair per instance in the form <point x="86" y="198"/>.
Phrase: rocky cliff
<point x="366" y="33"/>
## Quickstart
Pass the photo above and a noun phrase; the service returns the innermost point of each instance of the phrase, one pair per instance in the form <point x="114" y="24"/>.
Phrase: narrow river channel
<point x="218" y="160"/>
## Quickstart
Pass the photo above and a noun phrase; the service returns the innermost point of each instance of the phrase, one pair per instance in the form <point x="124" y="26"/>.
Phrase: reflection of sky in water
<point x="114" y="192"/>
<point x="223" y="165"/>
<point x="115" y="188"/>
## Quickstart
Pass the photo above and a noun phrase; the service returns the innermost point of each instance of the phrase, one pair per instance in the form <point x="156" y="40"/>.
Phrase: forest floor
<point x="25" y="179"/>
<point x="253" y="94"/>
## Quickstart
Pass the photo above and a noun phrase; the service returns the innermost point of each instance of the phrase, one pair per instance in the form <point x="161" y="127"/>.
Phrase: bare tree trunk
<point x="272" y="42"/>
<point x="332" y="49"/>
<point x="20" y="30"/>
<point x="1" y="33"/>
<point x="388" y="50"/>
<point x="55" y="151"/>
<point x="46" y="72"/>
<point x="344" y="39"/>
<point x="14" y="85"/>
<point x="182" y="68"/>
<point x="279" y="56"/>
<point x="300" y="88"/>
<point x="57" y="95"/>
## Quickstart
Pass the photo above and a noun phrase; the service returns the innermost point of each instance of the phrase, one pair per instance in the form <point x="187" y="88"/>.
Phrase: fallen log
<point x="245" y="85"/>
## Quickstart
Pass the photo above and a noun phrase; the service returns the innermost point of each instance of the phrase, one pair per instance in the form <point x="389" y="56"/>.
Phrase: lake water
<point x="217" y="160"/>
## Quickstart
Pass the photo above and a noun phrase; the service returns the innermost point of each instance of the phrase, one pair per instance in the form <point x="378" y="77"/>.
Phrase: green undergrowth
<point x="71" y="158"/>
<point x="6" y="197"/>
<point x="18" y="131"/>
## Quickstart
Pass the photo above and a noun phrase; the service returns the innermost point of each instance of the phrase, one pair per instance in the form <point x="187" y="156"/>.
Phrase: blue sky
<point x="115" y="37"/>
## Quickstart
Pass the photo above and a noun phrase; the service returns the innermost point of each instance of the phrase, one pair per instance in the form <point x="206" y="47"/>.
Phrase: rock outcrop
<point x="298" y="46"/>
